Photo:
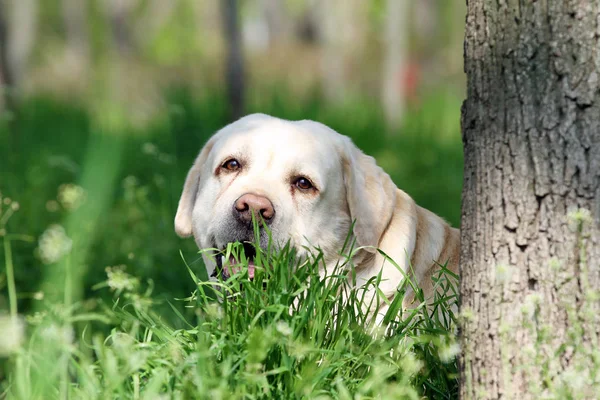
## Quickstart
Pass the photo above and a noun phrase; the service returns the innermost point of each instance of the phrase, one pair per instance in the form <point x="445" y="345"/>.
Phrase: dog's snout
<point x="249" y="204"/>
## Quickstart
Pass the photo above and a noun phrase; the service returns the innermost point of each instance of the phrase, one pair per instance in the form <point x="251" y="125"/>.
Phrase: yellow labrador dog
<point x="309" y="183"/>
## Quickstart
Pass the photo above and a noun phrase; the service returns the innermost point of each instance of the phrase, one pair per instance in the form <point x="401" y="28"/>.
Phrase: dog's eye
<point x="231" y="165"/>
<point x="303" y="184"/>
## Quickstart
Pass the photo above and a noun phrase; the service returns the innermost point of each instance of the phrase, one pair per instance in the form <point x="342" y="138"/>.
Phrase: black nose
<point x="249" y="204"/>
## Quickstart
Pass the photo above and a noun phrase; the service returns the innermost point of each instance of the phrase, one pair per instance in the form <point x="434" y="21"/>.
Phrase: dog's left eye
<point x="303" y="183"/>
<point x="231" y="165"/>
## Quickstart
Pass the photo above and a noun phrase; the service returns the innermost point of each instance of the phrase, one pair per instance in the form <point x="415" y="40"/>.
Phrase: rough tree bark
<point x="529" y="260"/>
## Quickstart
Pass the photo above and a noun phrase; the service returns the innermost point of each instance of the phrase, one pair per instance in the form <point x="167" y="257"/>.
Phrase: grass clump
<point x="291" y="332"/>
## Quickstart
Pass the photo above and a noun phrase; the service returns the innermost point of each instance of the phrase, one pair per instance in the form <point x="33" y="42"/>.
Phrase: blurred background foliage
<point x="107" y="102"/>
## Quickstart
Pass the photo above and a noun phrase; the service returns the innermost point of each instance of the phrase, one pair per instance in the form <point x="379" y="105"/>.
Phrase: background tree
<point x="395" y="39"/>
<point x="5" y="70"/>
<point x="77" y="47"/>
<point x="341" y="34"/>
<point x="277" y="21"/>
<point x="75" y="17"/>
<point x="235" y="58"/>
<point x="22" y="36"/>
<point x="120" y="16"/>
<point x="530" y="215"/>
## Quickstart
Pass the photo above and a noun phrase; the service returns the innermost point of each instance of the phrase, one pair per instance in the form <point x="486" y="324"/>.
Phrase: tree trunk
<point x="395" y="61"/>
<point x="277" y="21"/>
<point x="75" y="17"/>
<point x="119" y="13"/>
<point x="5" y="70"/>
<point x="530" y="217"/>
<point x="22" y="32"/>
<point x="157" y="14"/>
<point x="77" y="52"/>
<point x="234" y="62"/>
<point x="341" y="33"/>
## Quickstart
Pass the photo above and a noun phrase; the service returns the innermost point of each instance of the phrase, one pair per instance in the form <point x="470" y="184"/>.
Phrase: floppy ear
<point x="183" y="218"/>
<point x="371" y="195"/>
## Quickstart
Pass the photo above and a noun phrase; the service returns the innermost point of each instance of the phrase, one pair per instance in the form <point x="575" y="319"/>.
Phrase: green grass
<point x="272" y="337"/>
<point x="96" y="194"/>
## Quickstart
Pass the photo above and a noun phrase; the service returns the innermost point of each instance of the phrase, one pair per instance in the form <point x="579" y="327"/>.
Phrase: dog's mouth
<point x="233" y="263"/>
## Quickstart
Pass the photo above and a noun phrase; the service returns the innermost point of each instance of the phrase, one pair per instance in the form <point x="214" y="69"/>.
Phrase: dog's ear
<point x="183" y="218"/>
<point x="370" y="193"/>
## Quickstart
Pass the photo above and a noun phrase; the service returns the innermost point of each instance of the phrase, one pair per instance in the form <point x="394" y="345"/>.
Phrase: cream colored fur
<point x="273" y="152"/>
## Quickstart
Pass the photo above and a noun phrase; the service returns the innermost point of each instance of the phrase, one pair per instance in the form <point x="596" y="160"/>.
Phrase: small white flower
<point x="410" y="364"/>
<point x="448" y="352"/>
<point x="166" y="158"/>
<point x="130" y="182"/>
<point x="71" y="196"/>
<point x="36" y="318"/>
<point x="54" y="244"/>
<point x="139" y="302"/>
<point x="149" y="148"/>
<point x="122" y="341"/>
<point x="13" y="333"/>
<point x="58" y="334"/>
<point x="300" y="350"/>
<point x="120" y="280"/>
<point x="283" y="328"/>
<point x="136" y="360"/>
<point x="214" y="311"/>
<point x="52" y="205"/>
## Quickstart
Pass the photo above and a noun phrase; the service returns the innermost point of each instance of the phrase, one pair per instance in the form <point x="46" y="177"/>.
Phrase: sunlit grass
<point x="288" y="333"/>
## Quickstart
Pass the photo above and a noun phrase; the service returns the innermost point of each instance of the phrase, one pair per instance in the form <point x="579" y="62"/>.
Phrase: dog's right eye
<point x="231" y="165"/>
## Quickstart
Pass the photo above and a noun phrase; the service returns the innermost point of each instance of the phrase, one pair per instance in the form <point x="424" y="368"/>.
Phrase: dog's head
<point x="301" y="179"/>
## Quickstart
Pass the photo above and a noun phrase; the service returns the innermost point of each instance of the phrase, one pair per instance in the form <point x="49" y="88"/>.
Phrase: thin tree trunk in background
<point x="341" y="32"/>
<point x="22" y="34"/>
<point x="5" y="70"/>
<point x="119" y="13"/>
<point x="234" y="62"/>
<point x="395" y="61"/>
<point x="156" y="14"/>
<point x="331" y="37"/>
<point x="277" y="21"/>
<point x="113" y="89"/>
<point x="75" y="17"/>
<point x="530" y="275"/>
